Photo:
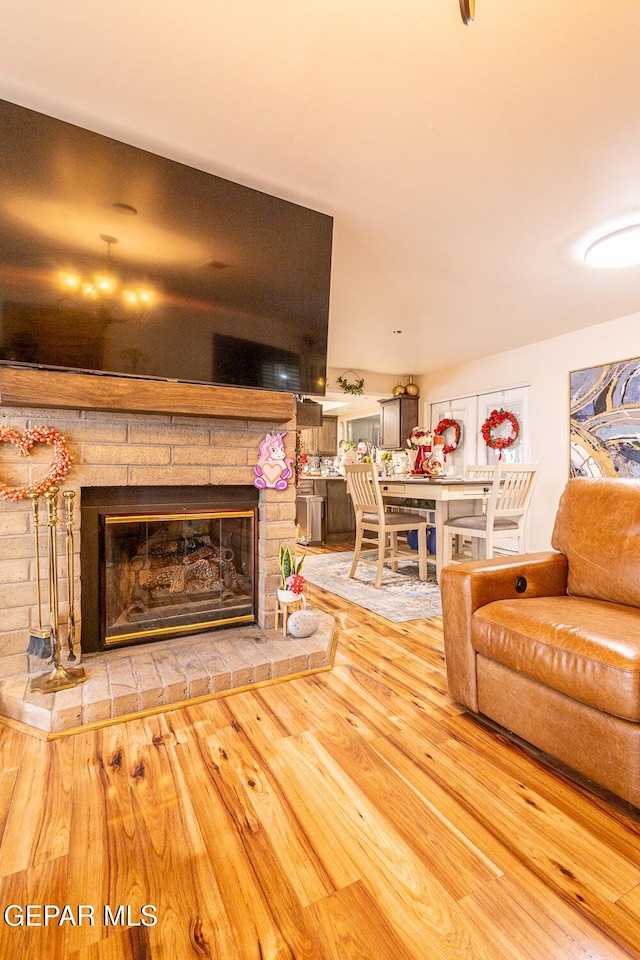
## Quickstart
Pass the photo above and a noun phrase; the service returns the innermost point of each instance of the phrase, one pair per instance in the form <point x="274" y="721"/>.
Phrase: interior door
<point x="471" y="412"/>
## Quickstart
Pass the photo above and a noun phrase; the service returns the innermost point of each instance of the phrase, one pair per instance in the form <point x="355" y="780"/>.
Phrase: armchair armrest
<point x="468" y="586"/>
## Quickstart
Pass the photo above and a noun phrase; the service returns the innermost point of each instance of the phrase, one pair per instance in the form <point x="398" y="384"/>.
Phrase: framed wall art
<point x="605" y="420"/>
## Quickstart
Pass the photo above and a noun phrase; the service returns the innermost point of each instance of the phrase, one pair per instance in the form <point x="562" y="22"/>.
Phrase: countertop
<point x="318" y="476"/>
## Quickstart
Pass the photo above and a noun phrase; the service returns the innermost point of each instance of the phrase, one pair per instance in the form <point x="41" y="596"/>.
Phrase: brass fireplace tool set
<point x="46" y="640"/>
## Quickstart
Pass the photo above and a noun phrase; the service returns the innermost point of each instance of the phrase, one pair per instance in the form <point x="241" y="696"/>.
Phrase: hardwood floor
<point x="354" y="814"/>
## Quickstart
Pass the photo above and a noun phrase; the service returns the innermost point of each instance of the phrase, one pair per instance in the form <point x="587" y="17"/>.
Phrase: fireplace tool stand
<point x="61" y="676"/>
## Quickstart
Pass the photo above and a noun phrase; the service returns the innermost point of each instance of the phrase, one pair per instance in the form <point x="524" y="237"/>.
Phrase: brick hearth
<point x="158" y="676"/>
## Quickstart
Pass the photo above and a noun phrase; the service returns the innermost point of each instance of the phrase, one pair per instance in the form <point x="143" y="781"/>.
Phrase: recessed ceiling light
<point x="618" y="249"/>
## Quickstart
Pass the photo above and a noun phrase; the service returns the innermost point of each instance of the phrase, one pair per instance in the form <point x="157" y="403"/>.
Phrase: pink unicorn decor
<point x="274" y="468"/>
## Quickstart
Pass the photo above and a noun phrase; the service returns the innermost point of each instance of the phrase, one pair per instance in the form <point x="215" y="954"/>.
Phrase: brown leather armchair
<point x="548" y="644"/>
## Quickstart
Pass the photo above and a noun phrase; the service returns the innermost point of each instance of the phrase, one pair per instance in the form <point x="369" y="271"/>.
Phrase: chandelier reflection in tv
<point x="117" y="297"/>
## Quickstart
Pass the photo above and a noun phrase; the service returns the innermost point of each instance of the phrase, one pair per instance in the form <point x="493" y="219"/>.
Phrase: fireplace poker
<point x="68" y="496"/>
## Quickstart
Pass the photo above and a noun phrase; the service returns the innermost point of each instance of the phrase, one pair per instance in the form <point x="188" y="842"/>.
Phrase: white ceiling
<point x="466" y="167"/>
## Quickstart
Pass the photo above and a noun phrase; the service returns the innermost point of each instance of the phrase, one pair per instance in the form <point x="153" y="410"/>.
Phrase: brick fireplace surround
<point x="140" y="449"/>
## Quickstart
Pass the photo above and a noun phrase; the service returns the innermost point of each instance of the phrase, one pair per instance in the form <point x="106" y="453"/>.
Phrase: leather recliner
<point x="547" y="645"/>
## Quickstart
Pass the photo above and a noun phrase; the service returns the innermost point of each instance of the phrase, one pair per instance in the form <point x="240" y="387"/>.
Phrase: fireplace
<point x="161" y="562"/>
<point x="128" y="464"/>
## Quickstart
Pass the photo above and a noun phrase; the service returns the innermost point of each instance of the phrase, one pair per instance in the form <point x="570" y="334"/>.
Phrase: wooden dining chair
<point x="479" y="471"/>
<point x="463" y="547"/>
<point x="505" y="516"/>
<point x="363" y="487"/>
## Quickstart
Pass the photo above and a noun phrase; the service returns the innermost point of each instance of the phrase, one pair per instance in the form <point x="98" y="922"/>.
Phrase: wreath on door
<point x="444" y="425"/>
<point x="495" y="419"/>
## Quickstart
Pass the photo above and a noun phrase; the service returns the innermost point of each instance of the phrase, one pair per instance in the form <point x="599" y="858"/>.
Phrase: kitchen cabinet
<point x="339" y="516"/>
<point x="398" y="417"/>
<point x="321" y="441"/>
<point x="339" y="521"/>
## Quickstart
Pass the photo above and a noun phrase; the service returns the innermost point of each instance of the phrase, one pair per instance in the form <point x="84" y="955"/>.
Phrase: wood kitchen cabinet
<point x="398" y="417"/>
<point x="339" y="520"/>
<point x="322" y="441"/>
<point x="338" y="509"/>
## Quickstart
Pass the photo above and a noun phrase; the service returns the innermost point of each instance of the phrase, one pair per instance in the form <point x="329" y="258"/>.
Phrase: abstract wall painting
<point x="605" y="420"/>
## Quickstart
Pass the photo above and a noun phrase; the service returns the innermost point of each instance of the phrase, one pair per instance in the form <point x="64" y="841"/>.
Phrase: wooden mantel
<point x="25" y="387"/>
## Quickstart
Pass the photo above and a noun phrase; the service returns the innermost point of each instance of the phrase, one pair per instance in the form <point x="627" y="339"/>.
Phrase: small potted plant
<point x="291" y="580"/>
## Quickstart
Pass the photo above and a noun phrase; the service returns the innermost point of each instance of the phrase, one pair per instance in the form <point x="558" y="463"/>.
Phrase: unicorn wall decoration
<point x="274" y="468"/>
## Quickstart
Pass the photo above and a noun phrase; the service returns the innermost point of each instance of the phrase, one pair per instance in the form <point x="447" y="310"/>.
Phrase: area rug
<point x="400" y="597"/>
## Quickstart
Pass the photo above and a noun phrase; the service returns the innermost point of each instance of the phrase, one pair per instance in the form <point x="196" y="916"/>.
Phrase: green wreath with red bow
<point x="444" y="425"/>
<point x="495" y="419"/>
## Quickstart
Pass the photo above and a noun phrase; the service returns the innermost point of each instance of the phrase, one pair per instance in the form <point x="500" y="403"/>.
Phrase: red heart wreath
<point x="24" y="442"/>
<point x="444" y="425"/>
<point x="495" y="418"/>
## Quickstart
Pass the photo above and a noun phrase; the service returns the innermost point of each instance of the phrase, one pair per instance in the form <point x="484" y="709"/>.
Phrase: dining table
<point x="451" y="497"/>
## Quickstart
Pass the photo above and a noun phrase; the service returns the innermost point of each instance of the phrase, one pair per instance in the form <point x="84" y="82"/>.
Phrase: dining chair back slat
<point x="480" y="471"/>
<point x="362" y="488"/>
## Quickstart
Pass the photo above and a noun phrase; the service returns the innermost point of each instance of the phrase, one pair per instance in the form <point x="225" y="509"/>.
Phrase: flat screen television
<point x="118" y="261"/>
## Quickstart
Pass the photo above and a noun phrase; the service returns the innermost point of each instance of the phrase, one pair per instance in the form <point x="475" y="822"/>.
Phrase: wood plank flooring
<point x="355" y="815"/>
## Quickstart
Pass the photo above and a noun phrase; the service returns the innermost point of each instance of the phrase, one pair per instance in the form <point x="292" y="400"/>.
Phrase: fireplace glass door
<point x="166" y="574"/>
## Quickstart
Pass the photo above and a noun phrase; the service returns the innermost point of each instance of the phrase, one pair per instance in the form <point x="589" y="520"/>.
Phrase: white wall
<point x="545" y="366"/>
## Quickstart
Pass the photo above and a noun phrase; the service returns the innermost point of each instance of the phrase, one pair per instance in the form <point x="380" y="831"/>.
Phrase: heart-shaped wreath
<point x="495" y="419"/>
<point x="447" y="424"/>
<point x="24" y="442"/>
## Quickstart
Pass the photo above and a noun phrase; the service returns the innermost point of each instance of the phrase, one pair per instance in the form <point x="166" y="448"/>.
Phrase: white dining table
<point x="452" y="497"/>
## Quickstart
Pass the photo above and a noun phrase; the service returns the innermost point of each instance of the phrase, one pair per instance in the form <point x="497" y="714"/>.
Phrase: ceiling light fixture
<point x="618" y="249"/>
<point x="467" y="10"/>
<point x="106" y="283"/>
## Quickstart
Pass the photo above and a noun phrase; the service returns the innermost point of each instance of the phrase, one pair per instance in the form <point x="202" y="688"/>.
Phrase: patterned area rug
<point x="401" y="597"/>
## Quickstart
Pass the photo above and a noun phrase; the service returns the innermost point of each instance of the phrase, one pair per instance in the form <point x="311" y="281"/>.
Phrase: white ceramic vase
<point x="287" y="596"/>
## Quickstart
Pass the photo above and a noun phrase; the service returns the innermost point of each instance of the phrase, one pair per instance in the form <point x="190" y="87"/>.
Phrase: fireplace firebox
<point x="163" y="562"/>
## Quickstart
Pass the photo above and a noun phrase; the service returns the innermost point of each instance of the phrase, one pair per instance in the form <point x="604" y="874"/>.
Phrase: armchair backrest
<point x="598" y="529"/>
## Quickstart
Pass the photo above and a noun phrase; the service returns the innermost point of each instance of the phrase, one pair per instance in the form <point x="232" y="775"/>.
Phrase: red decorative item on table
<point x="420" y="438"/>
